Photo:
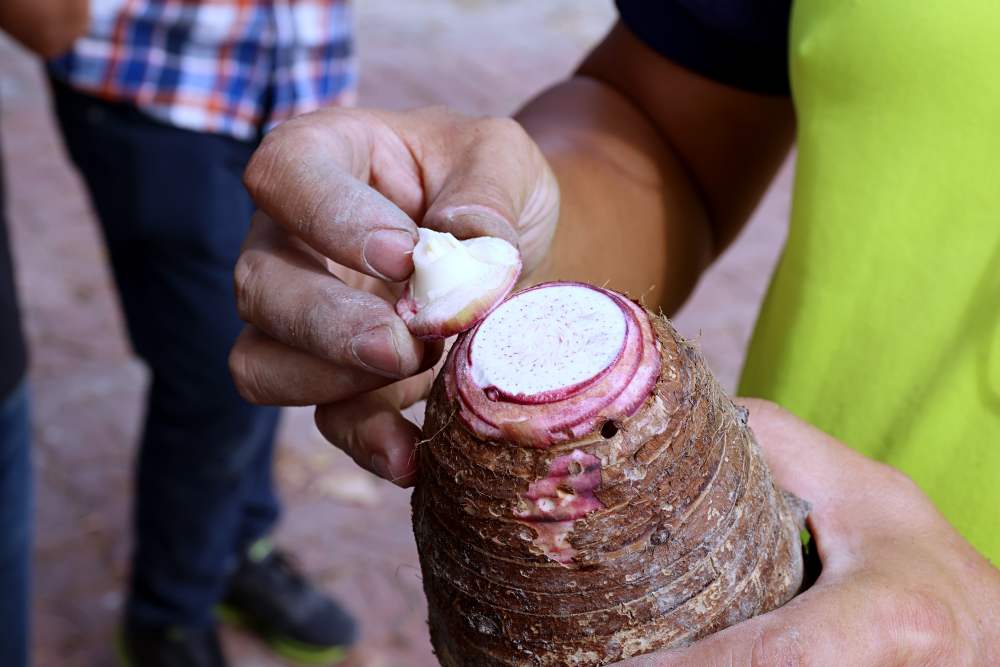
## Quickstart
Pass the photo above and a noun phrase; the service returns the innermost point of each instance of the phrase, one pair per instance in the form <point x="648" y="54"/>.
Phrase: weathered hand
<point x="341" y="194"/>
<point x="899" y="586"/>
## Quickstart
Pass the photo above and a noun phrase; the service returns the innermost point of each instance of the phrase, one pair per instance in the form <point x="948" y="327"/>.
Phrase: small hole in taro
<point x="609" y="430"/>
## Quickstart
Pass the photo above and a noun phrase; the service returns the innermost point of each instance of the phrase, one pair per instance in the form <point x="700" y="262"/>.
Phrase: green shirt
<point x="882" y="322"/>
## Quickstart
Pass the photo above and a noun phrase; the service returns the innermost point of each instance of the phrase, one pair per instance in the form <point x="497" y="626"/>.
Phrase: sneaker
<point x="169" y="647"/>
<point x="268" y="596"/>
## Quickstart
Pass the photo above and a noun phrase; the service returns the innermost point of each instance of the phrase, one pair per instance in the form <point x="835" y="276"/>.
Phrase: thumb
<point x="803" y="459"/>
<point x="499" y="185"/>
<point x="812" y="629"/>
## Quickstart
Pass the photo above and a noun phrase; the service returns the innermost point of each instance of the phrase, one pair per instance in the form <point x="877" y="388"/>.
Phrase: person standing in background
<point x="161" y="105"/>
<point x="47" y="28"/>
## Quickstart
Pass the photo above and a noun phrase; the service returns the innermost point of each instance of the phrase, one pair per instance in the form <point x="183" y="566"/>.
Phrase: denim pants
<point x="15" y="526"/>
<point x="174" y="213"/>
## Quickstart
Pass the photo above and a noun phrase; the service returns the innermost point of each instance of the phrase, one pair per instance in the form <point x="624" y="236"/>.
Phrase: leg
<point x="260" y="511"/>
<point x="174" y="213"/>
<point x="15" y="519"/>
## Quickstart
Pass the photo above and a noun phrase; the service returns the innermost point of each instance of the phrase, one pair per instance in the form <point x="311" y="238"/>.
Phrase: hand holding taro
<point x="342" y="193"/>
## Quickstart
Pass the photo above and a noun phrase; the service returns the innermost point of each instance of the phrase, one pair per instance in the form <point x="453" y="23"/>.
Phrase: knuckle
<point x="245" y="277"/>
<point x="308" y="328"/>
<point x="901" y="495"/>
<point x="259" y="172"/>
<point x="438" y="113"/>
<point x="778" y="647"/>
<point x="334" y="208"/>
<point x="923" y="627"/>
<point x="899" y="480"/>
<point x="502" y="127"/>
<point x="279" y="151"/>
<point x="246" y="379"/>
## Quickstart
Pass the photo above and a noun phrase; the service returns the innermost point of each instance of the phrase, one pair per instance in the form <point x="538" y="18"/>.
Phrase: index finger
<point x="803" y="459"/>
<point x="311" y="175"/>
<point x="848" y="493"/>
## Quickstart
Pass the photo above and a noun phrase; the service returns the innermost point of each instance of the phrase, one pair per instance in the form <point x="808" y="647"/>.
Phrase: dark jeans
<point x="15" y="526"/>
<point x="174" y="213"/>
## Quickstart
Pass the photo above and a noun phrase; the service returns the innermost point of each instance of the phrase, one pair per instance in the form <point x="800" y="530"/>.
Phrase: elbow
<point x="57" y="40"/>
<point x="56" y="36"/>
<point x="50" y="44"/>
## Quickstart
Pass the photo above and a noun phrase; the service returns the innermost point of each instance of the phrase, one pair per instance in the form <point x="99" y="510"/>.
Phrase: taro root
<point x="588" y="493"/>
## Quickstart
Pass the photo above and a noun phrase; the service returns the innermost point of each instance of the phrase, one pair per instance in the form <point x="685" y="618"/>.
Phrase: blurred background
<point x="350" y="530"/>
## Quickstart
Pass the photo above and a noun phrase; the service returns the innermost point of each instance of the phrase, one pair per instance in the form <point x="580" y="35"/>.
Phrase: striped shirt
<point x="235" y="67"/>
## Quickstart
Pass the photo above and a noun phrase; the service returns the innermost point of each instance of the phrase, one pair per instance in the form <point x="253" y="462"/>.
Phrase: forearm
<point x="630" y="215"/>
<point x="47" y="27"/>
<point x="659" y="167"/>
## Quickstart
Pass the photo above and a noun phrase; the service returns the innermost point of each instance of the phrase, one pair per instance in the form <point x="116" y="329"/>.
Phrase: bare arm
<point x="658" y="167"/>
<point x="47" y="27"/>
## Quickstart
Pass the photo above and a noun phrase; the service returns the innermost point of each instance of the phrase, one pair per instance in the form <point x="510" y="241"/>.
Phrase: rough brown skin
<point x="690" y="536"/>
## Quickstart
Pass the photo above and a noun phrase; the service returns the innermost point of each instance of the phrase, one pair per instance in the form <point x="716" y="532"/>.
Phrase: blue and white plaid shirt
<point x="235" y="67"/>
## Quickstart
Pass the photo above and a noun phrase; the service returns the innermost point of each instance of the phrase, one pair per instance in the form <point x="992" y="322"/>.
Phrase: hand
<point x="899" y="586"/>
<point x="341" y="194"/>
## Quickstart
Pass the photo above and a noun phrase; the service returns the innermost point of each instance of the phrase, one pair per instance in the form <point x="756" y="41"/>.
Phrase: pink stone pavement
<point x="350" y="531"/>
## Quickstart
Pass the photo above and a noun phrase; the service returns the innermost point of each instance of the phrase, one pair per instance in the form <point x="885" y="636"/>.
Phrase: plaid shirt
<point x="235" y="67"/>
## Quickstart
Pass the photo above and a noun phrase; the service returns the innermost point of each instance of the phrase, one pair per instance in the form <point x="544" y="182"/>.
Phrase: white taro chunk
<point x="456" y="283"/>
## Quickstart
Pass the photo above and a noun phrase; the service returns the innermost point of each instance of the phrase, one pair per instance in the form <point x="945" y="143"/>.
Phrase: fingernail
<point x="376" y="349"/>
<point x="389" y="253"/>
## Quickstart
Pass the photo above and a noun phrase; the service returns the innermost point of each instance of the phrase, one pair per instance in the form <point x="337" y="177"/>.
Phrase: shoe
<point x="268" y="596"/>
<point x="169" y="647"/>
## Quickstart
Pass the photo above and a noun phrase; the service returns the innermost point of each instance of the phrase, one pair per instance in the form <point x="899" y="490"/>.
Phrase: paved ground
<point x="350" y="530"/>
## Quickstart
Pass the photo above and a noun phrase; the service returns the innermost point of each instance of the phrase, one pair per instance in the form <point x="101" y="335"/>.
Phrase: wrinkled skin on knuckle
<point x="331" y="207"/>
<point x="245" y="273"/>
<point x="245" y="377"/>
<point x="777" y="647"/>
<point x="259" y="172"/>
<point x="505" y="147"/>
<point x="920" y="629"/>
<point x="350" y="131"/>
<point x="313" y="327"/>
<point x="282" y="149"/>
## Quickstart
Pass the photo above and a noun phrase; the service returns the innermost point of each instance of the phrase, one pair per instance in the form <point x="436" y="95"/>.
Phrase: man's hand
<point x="899" y="586"/>
<point x="341" y="193"/>
<point x="658" y="169"/>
